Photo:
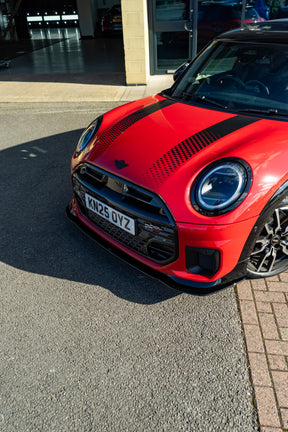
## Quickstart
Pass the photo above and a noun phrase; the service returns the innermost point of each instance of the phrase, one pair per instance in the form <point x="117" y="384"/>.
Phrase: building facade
<point x="154" y="38"/>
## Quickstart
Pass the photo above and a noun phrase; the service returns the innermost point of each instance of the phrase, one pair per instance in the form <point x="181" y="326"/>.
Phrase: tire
<point x="268" y="250"/>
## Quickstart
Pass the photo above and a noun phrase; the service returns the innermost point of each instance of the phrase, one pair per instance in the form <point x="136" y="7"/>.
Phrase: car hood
<point x="163" y="144"/>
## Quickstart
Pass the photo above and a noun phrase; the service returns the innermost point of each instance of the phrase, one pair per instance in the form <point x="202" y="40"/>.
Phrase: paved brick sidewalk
<point x="264" y="310"/>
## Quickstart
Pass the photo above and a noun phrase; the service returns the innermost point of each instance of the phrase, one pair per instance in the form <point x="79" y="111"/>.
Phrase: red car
<point x="192" y="183"/>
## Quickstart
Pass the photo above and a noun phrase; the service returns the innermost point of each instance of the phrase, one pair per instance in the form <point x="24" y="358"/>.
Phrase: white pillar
<point x="136" y="42"/>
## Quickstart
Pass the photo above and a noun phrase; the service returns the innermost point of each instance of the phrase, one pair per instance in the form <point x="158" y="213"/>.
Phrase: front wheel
<point x="269" y="252"/>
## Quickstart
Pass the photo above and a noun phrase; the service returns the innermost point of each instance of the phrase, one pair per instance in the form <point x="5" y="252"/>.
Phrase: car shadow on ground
<point x="37" y="237"/>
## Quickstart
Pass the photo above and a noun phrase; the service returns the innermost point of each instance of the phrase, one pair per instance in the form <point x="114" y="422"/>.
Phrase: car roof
<point x="273" y="31"/>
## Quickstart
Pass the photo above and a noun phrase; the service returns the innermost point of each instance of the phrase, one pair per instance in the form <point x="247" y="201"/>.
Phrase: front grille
<point x="156" y="234"/>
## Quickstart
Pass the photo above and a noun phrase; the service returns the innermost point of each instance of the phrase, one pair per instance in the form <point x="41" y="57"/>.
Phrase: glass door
<point x="169" y="41"/>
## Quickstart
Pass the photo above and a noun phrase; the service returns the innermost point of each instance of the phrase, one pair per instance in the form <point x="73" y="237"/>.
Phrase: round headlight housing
<point x="87" y="135"/>
<point x="221" y="187"/>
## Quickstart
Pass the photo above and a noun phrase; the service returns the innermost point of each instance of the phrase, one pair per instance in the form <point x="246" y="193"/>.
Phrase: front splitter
<point x="196" y="288"/>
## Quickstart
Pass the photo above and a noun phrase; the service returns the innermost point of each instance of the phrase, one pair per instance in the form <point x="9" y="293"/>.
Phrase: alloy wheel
<point x="270" y="253"/>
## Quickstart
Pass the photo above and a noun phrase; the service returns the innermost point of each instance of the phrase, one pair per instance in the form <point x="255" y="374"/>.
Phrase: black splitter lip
<point x="172" y="284"/>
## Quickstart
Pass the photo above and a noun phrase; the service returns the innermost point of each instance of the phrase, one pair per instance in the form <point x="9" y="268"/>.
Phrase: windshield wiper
<point x="211" y="101"/>
<point x="202" y="98"/>
<point x="268" y="112"/>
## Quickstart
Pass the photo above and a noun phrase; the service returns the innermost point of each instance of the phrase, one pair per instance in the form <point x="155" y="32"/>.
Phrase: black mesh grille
<point x="156" y="233"/>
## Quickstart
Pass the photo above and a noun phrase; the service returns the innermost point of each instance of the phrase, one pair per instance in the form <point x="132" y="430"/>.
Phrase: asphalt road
<point x="87" y="342"/>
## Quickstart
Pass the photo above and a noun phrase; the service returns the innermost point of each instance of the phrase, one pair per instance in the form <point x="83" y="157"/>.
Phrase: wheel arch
<point x="240" y="271"/>
<point x="277" y="198"/>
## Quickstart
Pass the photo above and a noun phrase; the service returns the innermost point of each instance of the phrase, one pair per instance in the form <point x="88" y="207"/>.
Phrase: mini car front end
<point x="192" y="183"/>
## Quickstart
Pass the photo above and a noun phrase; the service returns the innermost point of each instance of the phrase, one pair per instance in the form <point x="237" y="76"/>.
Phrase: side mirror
<point x="181" y="69"/>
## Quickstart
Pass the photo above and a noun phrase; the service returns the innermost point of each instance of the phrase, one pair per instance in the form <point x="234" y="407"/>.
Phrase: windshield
<point x="238" y="76"/>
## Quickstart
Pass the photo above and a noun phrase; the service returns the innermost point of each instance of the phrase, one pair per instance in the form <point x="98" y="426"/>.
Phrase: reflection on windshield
<point x="240" y="77"/>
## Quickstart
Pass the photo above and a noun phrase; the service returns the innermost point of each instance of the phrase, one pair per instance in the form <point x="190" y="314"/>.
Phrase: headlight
<point x="87" y="135"/>
<point x="221" y="186"/>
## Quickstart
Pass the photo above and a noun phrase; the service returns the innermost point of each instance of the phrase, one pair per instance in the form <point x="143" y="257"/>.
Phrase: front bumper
<point x="221" y="246"/>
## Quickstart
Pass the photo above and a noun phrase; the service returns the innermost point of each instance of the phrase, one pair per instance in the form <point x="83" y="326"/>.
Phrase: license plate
<point x="114" y="216"/>
<point x="118" y="20"/>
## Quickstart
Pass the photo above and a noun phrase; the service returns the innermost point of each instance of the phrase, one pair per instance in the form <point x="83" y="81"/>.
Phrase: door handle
<point x="188" y="26"/>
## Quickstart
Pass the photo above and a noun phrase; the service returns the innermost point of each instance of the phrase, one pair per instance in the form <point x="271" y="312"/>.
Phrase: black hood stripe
<point x="109" y="135"/>
<point x="178" y="155"/>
